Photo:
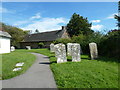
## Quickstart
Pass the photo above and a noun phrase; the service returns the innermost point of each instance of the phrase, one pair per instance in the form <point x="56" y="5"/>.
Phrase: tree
<point x="117" y="16"/>
<point x="78" y="25"/>
<point x="16" y="33"/>
<point x="36" y="31"/>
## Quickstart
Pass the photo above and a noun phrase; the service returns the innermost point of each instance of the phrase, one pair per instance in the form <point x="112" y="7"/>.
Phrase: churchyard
<point x="71" y="69"/>
<point x="36" y="53"/>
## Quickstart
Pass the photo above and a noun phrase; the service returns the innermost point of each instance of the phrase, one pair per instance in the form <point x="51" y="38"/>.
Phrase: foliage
<point x="117" y="16"/>
<point x="36" y="31"/>
<point x="84" y="40"/>
<point x="9" y="61"/>
<point x="41" y="44"/>
<point x="78" y="25"/>
<point x="110" y="45"/>
<point x="16" y="33"/>
<point x="62" y="40"/>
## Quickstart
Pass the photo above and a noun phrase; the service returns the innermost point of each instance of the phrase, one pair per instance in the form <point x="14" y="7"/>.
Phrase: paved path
<point x="38" y="75"/>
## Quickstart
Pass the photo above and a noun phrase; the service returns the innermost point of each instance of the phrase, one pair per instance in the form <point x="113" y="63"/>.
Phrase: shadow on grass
<point x="46" y="57"/>
<point x="101" y="58"/>
<point x="51" y="56"/>
<point x="86" y="58"/>
<point x="107" y="59"/>
<point x="48" y="63"/>
<point x="69" y="60"/>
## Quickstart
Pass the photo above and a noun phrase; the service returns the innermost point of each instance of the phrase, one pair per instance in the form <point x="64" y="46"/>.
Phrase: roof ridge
<point x="45" y="32"/>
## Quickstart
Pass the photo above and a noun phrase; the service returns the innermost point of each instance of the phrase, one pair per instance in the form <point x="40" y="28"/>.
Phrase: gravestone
<point x="60" y="53"/>
<point x="52" y="47"/>
<point x="69" y="48"/>
<point x="93" y="50"/>
<point x="17" y="69"/>
<point x="12" y="48"/>
<point x="20" y="64"/>
<point x="28" y="47"/>
<point x="76" y="52"/>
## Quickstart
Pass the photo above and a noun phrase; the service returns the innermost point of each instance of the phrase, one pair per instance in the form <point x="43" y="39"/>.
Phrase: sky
<point x="49" y="16"/>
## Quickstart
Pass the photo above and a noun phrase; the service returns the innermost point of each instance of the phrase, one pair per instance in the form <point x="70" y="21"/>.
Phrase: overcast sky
<point x="48" y="16"/>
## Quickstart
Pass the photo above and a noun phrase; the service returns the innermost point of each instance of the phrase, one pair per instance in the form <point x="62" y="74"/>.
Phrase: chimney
<point x="64" y="27"/>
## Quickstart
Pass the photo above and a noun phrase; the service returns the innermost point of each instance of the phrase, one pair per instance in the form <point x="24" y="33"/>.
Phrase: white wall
<point x="4" y="45"/>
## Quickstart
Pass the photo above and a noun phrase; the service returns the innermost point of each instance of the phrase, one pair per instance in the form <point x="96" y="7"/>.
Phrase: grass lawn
<point x="101" y="73"/>
<point x="86" y="74"/>
<point x="9" y="61"/>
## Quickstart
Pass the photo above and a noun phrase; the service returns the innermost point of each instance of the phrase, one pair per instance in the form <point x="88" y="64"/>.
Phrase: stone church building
<point x="45" y="37"/>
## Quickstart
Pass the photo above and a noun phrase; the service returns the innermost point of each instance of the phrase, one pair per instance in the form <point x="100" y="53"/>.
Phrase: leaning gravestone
<point x="69" y="48"/>
<point x="52" y="47"/>
<point x="28" y="47"/>
<point x="93" y="50"/>
<point x="76" y="52"/>
<point x="12" y="48"/>
<point x="60" y="53"/>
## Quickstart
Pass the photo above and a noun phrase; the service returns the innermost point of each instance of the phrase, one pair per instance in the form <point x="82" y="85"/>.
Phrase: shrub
<point x="62" y="40"/>
<point x="110" y="45"/>
<point x="41" y="45"/>
<point x="84" y="40"/>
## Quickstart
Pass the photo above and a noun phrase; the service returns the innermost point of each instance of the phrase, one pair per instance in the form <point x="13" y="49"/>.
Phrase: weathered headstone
<point x="52" y="47"/>
<point x="17" y="69"/>
<point x="56" y="49"/>
<point x="20" y="64"/>
<point x="76" y="52"/>
<point x="69" y="48"/>
<point x="28" y="47"/>
<point x="60" y="53"/>
<point x="12" y="48"/>
<point x="93" y="50"/>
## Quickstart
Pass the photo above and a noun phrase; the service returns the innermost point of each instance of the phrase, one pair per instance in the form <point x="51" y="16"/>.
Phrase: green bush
<point x="63" y="40"/>
<point x="84" y="40"/>
<point x="41" y="45"/>
<point x="110" y="45"/>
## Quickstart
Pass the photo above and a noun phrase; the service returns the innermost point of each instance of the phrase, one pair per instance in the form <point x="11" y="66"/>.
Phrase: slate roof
<point x="45" y="36"/>
<point x="5" y="34"/>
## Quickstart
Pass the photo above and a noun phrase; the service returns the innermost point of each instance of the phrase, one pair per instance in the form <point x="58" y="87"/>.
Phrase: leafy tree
<point x="36" y="31"/>
<point x="110" y="45"/>
<point x="117" y="16"/>
<point x="16" y="33"/>
<point x="78" y="25"/>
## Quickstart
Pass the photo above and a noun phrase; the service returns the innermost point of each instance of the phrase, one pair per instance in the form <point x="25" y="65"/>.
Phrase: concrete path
<point x="38" y="75"/>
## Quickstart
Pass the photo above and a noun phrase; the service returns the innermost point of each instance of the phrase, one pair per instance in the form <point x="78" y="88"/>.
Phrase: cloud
<point x="96" y="21"/>
<point x="5" y="10"/>
<point x="46" y="24"/>
<point x="42" y="24"/>
<point x="97" y="27"/>
<point x="20" y="23"/>
<point x="111" y="16"/>
<point x="37" y="16"/>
